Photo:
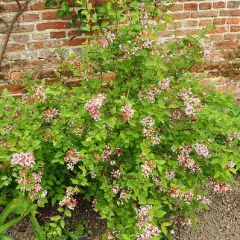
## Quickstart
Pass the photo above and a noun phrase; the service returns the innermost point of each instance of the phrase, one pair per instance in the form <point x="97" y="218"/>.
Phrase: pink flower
<point x="50" y="114"/>
<point x="72" y="158"/>
<point x="127" y="112"/>
<point x="148" y="167"/>
<point x="68" y="200"/>
<point x="23" y="159"/>
<point x="185" y="161"/>
<point x="146" y="229"/>
<point x="148" y="122"/>
<point x="201" y="150"/>
<point x="170" y="174"/>
<point x="164" y="84"/>
<point x="40" y="94"/>
<point x="94" y="104"/>
<point x="220" y="187"/>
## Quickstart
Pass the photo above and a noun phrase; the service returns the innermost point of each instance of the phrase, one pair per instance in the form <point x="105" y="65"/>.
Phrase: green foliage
<point x="139" y="136"/>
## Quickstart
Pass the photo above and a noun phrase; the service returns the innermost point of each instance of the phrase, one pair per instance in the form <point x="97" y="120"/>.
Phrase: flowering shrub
<point x="144" y="146"/>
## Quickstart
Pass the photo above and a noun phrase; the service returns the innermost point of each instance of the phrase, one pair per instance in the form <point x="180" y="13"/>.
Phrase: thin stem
<point x="36" y="227"/>
<point x="10" y="28"/>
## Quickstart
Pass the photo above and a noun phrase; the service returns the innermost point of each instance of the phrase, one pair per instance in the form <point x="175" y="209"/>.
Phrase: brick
<point x="190" y="23"/>
<point x="52" y="25"/>
<point x="219" y="5"/>
<point x="41" y="36"/>
<point x="216" y="37"/>
<point x="76" y="42"/>
<point x="177" y="16"/>
<point x="205" y="22"/>
<point x="233" y="4"/>
<point x="49" y="15"/>
<point x="237" y="36"/>
<point x="205" y="6"/>
<point x="37" y="6"/>
<point x="35" y="45"/>
<point x="12" y="7"/>
<point x="20" y="38"/>
<point x="23" y="28"/>
<point x="229" y="37"/>
<point x="190" y="6"/>
<point x="15" y="47"/>
<point x="74" y="33"/>
<point x="58" y="34"/>
<point x="187" y="32"/>
<point x="176" y="8"/>
<point x="30" y="17"/>
<point x="14" y="90"/>
<point x="204" y="14"/>
<point x="235" y="28"/>
<point x="219" y="21"/>
<point x="15" y="76"/>
<point x="220" y="29"/>
<point x="233" y="20"/>
<point x="230" y="13"/>
<point x="227" y="45"/>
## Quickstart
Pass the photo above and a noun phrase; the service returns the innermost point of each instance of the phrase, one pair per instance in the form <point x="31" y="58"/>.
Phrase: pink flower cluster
<point x="23" y="159"/>
<point x="50" y="114"/>
<point x="115" y="189"/>
<point x="149" y="131"/>
<point x="148" y="167"/>
<point x="7" y="129"/>
<point x="149" y="94"/>
<point x="127" y="112"/>
<point x="170" y="174"/>
<point x="116" y="174"/>
<point x="40" y="94"/>
<point x="94" y="104"/>
<point x="187" y="197"/>
<point x="107" y="39"/>
<point x="220" y="187"/>
<point x="164" y="84"/>
<point x="124" y="196"/>
<point x="207" y="49"/>
<point x="69" y="201"/>
<point x="176" y="114"/>
<point x="202" y="150"/>
<point x="191" y="102"/>
<point x="108" y="154"/>
<point x="32" y="185"/>
<point x="146" y="229"/>
<point x="232" y="137"/>
<point x="185" y="161"/>
<point x="72" y="158"/>
<point x="203" y="199"/>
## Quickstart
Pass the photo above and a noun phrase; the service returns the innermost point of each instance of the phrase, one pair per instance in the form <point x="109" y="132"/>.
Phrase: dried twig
<point x="19" y="5"/>
<point x="10" y="28"/>
<point x="4" y="22"/>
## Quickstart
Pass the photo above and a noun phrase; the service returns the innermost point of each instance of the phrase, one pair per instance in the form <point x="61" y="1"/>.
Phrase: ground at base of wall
<point x="221" y="222"/>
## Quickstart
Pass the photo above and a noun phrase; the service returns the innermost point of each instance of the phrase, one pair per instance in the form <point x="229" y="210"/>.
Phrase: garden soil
<point x="221" y="222"/>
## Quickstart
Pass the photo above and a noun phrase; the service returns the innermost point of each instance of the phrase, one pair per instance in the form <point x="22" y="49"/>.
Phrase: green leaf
<point x="159" y="213"/>
<point x="68" y="213"/>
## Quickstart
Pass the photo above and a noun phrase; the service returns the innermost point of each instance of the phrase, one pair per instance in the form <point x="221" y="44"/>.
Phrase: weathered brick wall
<point x="38" y="31"/>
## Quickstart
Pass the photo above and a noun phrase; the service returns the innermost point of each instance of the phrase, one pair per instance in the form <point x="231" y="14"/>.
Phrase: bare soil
<point x="220" y="222"/>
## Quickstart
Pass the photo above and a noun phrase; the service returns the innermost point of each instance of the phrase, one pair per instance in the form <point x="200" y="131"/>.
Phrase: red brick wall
<point x="38" y="31"/>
